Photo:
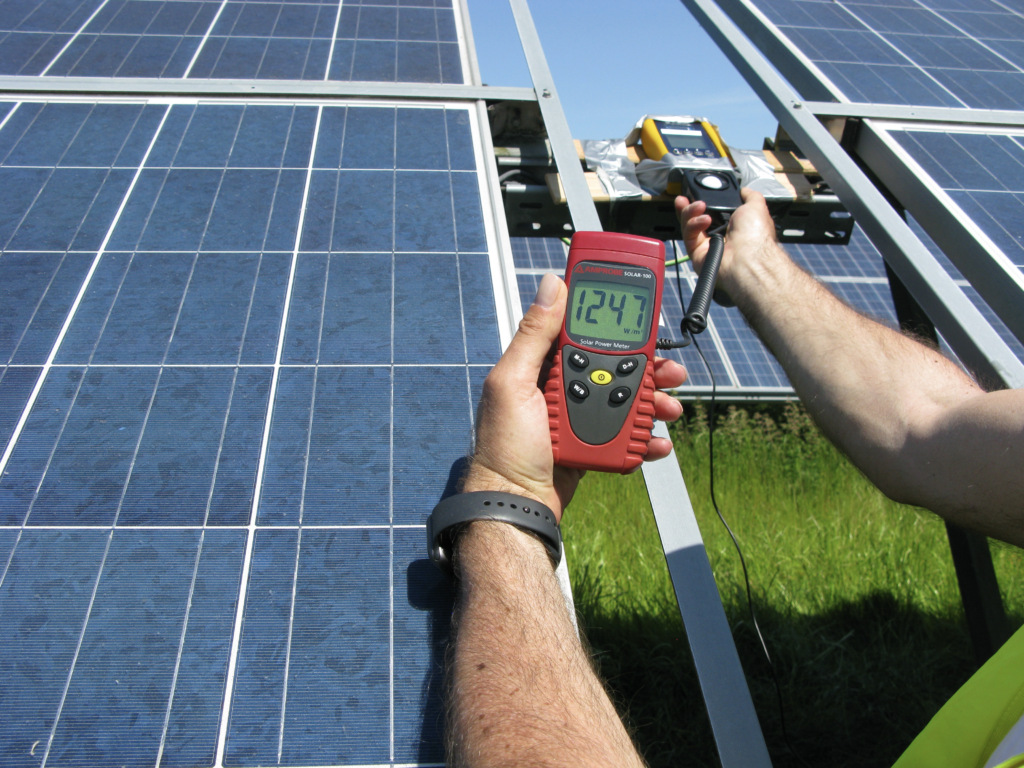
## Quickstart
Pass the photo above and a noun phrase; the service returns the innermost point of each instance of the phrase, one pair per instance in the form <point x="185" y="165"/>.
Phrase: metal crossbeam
<point x="255" y="89"/>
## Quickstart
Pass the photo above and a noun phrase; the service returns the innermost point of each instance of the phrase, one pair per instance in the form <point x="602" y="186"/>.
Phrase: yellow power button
<point x="601" y="377"/>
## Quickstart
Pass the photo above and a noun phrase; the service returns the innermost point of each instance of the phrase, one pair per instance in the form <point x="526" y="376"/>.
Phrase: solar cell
<point x="544" y="253"/>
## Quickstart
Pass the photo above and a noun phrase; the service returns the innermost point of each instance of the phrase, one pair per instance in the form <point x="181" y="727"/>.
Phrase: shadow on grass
<point x="859" y="681"/>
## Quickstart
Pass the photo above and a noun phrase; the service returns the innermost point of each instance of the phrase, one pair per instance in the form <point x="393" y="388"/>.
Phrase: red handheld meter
<point x="600" y="390"/>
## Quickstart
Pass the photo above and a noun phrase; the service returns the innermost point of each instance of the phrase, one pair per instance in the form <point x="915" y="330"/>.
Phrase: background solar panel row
<point x="741" y="364"/>
<point x="220" y="265"/>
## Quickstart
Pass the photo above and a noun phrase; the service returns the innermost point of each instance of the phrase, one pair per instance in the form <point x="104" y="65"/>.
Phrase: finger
<point x="666" y="407"/>
<point x="537" y="330"/>
<point x="668" y="373"/>
<point x="694" y="229"/>
<point x="750" y="196"/>
<point x="659" y="448"/>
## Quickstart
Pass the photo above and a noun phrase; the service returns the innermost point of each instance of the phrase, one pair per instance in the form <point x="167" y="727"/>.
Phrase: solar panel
<point x="372" y="41"/>
<point x="278" y="320"/>
<point x="966" y="181"/>
<point x="942" y="53"/>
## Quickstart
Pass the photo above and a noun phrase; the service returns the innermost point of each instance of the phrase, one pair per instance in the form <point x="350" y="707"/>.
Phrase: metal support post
<point x="726" y="694"/>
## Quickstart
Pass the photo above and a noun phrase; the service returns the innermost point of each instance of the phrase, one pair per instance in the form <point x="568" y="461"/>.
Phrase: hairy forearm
<point x="901" y="411"/>
<point x="522" y="691"/>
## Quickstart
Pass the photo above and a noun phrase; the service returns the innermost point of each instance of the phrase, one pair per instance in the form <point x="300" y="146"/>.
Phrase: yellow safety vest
<point x="971" y="725"/>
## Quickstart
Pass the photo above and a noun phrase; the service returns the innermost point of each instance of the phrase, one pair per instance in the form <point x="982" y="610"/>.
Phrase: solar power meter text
<point x="600" y="390"/>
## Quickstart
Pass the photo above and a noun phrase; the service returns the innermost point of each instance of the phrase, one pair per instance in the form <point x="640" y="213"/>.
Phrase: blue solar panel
<point x="137" y="38"/>
<point x="414" y="42"/>
<point x="931" y="53"/>
<point x="234" y="310"/>
<point x="859" y="258"/>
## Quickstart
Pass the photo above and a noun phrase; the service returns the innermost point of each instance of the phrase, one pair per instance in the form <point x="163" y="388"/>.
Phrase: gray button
<point x="579" y="389"/>
<point x="619" y="395"/>
<point x="579" y="359"/>
<point x="627" y="366"/>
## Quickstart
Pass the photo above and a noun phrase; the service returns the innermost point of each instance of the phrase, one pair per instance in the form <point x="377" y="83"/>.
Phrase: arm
<point x="907" y="417"/>
<point x="522" y="691"/>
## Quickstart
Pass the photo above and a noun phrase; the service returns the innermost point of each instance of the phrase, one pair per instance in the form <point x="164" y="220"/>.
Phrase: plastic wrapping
<point x="608" y="159"/>
<point x="759" y="175"/>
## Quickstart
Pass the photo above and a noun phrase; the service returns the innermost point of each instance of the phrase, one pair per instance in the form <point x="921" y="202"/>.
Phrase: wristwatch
<point x="454" y="513"/>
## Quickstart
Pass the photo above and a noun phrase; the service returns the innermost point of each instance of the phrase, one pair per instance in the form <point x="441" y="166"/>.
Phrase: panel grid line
<point x="334" y="41"/>
<point x="261" y="467"/>
<point x="966" y="34"/>
<point x="458" y="275"/>
<point x="885" y="40"/>
<point x="181" y="648"/>
<point x="78" y="648"/>
<point x="35" y="309"/>
<point x="53" y="449"/>
<point x="74" y="37"/>
<point x="202" y="43"/>
<point x="391" y="450"/>
<point x="20" y="426"/>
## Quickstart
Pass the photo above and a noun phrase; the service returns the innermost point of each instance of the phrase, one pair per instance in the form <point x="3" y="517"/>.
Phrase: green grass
<point x="856" y="596"/>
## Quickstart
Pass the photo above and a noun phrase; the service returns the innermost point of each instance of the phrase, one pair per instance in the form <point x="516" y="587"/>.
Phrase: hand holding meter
<point x="600" y="389"/>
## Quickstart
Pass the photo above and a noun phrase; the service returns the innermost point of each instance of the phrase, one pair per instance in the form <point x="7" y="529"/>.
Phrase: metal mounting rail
<point x="730" y="708"/>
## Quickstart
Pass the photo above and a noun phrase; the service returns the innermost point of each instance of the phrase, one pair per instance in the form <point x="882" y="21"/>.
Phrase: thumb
<point x="538" y="329"/>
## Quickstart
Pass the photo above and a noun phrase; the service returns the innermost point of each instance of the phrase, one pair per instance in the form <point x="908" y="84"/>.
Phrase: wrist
<point x="488" y="548"/>
<point x="480" y="477"/>
<point x="758" y="276"/>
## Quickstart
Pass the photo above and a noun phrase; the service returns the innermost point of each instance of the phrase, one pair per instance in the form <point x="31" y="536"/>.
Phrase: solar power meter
<point x="600" y="388"/>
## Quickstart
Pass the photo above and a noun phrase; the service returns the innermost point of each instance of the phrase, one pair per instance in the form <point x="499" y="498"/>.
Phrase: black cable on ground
<point x="735" y="542"/>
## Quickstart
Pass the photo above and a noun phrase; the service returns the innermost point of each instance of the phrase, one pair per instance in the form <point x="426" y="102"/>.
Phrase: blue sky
<point x="616" y="60"/>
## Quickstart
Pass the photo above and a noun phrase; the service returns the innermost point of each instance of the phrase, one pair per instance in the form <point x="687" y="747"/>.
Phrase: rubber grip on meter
<point x="696" y="318"/>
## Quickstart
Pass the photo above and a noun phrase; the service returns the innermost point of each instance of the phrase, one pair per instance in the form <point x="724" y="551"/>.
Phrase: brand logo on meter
<point x="583" y="268"/>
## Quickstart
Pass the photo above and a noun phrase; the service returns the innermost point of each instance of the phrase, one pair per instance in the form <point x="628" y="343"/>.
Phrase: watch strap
<point x="452" y="514"/>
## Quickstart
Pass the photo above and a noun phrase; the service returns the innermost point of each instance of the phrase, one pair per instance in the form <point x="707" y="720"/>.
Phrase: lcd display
<point x="610" y="311"/>
<point x="687" y="141"/>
